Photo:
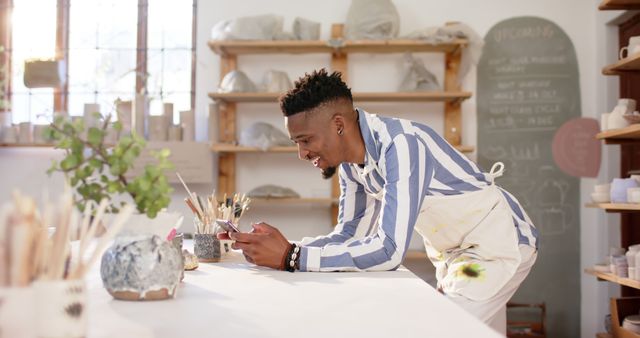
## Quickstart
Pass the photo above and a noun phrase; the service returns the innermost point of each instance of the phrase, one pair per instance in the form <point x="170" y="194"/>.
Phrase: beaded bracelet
<point x="293" y="258"/>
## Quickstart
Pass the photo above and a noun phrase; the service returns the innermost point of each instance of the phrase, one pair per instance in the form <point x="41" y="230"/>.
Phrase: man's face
<point x="315" y="133"/>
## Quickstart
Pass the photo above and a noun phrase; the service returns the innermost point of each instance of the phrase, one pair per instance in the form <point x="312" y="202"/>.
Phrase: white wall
<point x="578" y="18"/>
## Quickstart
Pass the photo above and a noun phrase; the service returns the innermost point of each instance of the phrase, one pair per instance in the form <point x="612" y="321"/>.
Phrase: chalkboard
<point x="528" y="86"/>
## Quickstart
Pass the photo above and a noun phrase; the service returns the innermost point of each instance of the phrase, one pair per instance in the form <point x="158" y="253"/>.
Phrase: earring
<point x="340" y="132"/>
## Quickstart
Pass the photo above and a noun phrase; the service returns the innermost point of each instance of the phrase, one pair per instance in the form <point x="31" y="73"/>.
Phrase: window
<point x="31" y="41"/>
<point x="112" y="48"/>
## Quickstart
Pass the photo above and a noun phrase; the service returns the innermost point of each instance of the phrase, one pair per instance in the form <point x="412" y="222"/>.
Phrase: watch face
<point x="227" y="225"/>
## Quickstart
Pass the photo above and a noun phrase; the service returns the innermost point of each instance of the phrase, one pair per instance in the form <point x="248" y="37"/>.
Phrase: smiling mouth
<point x="315" y="161"/>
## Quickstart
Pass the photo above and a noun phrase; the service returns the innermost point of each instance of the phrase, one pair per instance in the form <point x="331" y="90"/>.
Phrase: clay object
<point x="272" y="191"/>
<point x="141" y="268"/>
<point x="190" y="260"/>
<point x="276" y="81"/>
<point x="177" y="242"/>
<point x="304" y="29"/>
<point x="264" y="136"/>
<point x="237" y="81"/>
<point x="418" y="77"/>
<point x="207" y="247"/>
<point x="259" y="27"/>
<point x="372" y="19"/>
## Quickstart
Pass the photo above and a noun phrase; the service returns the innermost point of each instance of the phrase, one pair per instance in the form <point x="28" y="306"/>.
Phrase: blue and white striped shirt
<point x="379" y="203"/>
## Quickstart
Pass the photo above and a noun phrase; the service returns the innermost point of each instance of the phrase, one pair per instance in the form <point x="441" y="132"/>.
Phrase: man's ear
<point x="338" y="122"/>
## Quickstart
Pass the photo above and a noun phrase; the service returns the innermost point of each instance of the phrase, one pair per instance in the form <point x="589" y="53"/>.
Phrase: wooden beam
<point x="61" y="93"/>
<point x="6" y="6"/>
<point x="194" y="28"/>
<point x="452" y="110"/>
<point x="338" y="63"/>
<point x="227" y="132"/>
<point x="141" y="45"/>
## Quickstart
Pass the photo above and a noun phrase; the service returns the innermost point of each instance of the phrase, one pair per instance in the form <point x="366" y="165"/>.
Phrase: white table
<point x="237" y="299"/>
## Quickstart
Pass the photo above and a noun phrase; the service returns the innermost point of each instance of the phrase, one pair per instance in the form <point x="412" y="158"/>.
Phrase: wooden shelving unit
<point x="628" y="64"/>
<point x="615" y="207"/>
<point x="339" y="49"/>
<point x="358" y="97"/>
<point x="25" y="145"/>
<point x="603" y="335"/>
<point x="232" y="148"/>
<point x="334" y="46"/>
<point x="632" y="283"/>
<point x="288" y="201"/>
<point x="623" y="135"/>
<point x="606" y="5"/>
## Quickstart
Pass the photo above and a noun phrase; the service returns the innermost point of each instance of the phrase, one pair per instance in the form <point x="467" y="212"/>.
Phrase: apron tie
<point x="496" y="171"/>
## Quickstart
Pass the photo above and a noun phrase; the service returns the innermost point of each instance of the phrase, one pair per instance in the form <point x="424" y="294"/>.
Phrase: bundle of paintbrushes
<point x="28" y="253"/>
<point x="208" y="209"/>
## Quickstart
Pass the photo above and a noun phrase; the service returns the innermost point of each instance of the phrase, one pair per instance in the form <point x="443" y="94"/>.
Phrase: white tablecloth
<point x="237" y="299"/>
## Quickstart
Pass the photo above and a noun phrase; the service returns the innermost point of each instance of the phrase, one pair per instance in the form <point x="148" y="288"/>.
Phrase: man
<point x="397" y="175"/>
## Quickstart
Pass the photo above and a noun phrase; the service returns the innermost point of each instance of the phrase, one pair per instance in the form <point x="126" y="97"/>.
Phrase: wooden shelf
<point x="603" y="335"/>
<point x="619" y="4"/>
<point x="614" y="279"/>
<point x="360" y="97"/>
<point x="287" y="201"/>
<point x="232" y="148"/>
<point x="613" y="207"/>
<point x="629" y="64"/>
<point x="25" y="145"/>
<point x="337" y="46"/>
<point x="622" y="135"/>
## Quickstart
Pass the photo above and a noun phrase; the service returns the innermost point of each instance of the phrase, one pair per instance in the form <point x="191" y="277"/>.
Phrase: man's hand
<point x="264" y="245"/>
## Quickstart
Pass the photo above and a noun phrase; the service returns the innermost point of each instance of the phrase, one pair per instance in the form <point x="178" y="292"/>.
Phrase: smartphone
<point x="227" y="225"/>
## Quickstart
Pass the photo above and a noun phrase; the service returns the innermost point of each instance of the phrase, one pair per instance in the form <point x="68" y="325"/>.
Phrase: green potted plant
<point x="96" y="170"/>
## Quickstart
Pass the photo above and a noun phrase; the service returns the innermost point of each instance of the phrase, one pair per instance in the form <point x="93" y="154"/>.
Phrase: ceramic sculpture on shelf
<point x="259" y="27"/>
<point x="418" y="77"/>
<point x="272" y="191"/>
<point x="275" y="81"/>
<point x="304" y="29"/>
<point x="264" y="136"/>
<point x="237" y="81"/>
<point x="372" y="19"/>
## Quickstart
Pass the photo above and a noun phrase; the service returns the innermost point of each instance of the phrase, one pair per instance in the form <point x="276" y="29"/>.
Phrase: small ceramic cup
<point x="207" y="247"/>
<point x="61" y="308"/>
<point x="17" y="312"/>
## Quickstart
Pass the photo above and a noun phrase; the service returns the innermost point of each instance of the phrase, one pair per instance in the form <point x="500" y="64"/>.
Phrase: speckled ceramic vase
<point x="141" y="268"/>
<point x="206" y="247"/>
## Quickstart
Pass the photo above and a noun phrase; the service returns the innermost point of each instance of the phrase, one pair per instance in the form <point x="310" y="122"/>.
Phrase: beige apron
<point x="471" y="239"/>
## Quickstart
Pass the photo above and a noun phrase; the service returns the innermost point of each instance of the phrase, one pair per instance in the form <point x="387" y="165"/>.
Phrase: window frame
<point x="61" y="93"/>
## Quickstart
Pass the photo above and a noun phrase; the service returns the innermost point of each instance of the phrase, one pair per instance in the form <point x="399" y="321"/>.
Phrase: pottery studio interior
<point x="343" y="168"/>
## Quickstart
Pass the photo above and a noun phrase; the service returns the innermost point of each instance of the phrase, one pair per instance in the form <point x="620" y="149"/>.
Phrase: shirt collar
<point x="371" y="154"/>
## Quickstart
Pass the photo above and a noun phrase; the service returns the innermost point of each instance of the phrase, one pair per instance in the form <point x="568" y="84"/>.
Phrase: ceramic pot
<point x="143" y="267"/>
<point x="61" y="308"/>
<point x="207" y="247"/>
<point x="17" y="312"/>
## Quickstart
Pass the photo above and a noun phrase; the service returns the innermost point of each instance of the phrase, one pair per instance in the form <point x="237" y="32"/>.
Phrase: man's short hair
<point x="313" y="90"/>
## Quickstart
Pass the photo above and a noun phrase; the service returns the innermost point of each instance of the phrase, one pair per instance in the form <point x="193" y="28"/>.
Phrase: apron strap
<point x="496" y="171"/>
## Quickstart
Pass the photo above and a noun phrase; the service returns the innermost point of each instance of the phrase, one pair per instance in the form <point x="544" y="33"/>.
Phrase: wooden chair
<point x="522" y="329"/>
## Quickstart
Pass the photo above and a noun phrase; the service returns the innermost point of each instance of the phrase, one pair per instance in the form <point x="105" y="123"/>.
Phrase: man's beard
<point x="328" y="173"/>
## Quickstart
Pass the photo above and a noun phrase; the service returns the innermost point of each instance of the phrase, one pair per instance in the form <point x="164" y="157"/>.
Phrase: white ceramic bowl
<point x="600" y="197"/>
<point x="602" y="187"/>
<point x="633" y="195"/>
